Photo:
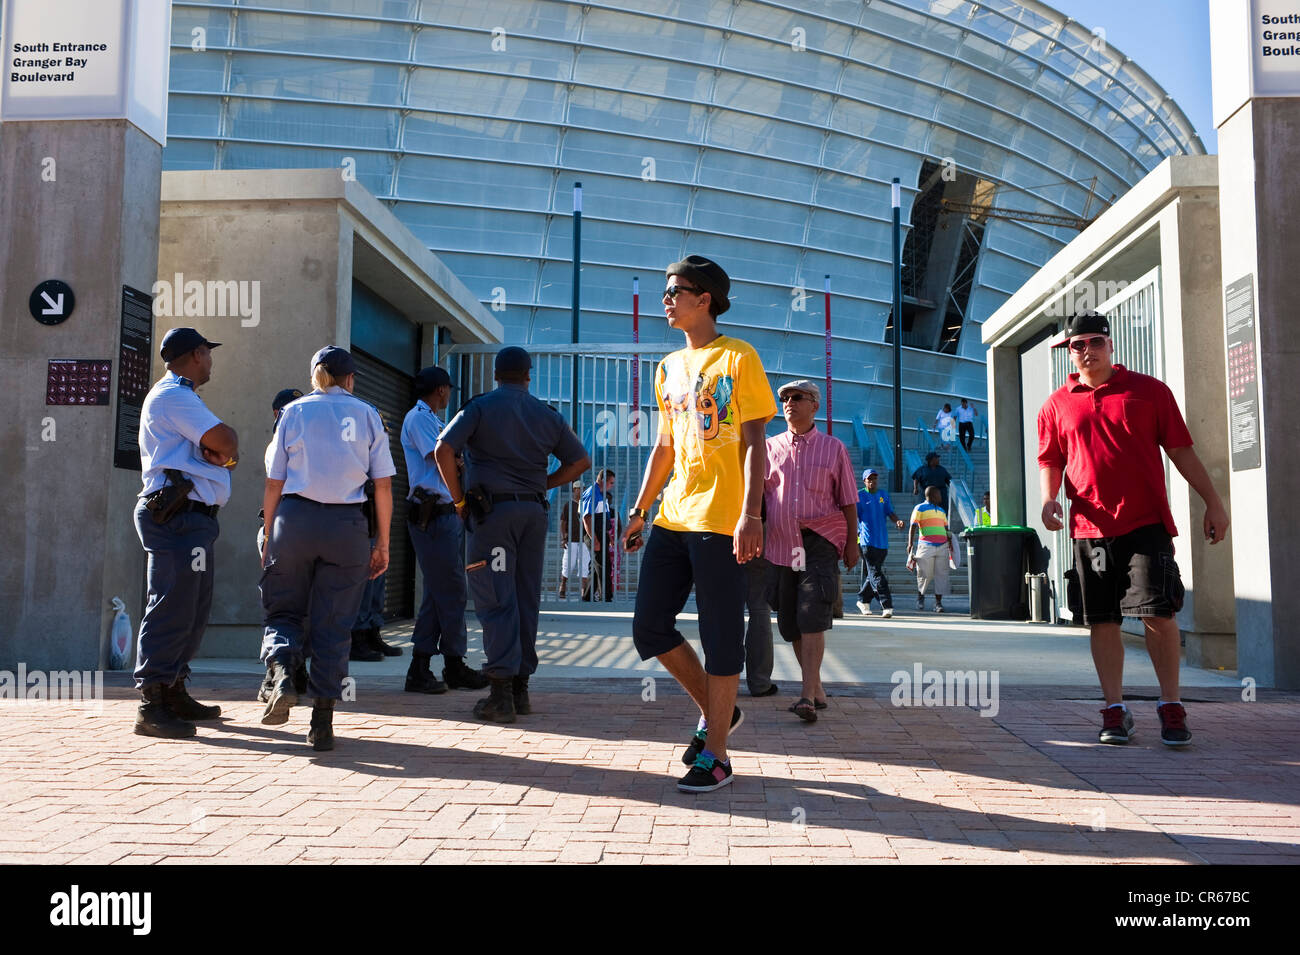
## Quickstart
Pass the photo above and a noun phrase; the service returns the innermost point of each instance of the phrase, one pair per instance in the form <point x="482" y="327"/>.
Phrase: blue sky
<point x="1170" y="39"/>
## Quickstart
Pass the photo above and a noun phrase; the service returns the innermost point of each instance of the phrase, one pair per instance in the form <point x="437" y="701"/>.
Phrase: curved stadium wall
<point x="762" y="134"/>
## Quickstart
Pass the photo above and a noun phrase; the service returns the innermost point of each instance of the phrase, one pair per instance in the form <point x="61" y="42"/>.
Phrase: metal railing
<point x="616" y="426"/>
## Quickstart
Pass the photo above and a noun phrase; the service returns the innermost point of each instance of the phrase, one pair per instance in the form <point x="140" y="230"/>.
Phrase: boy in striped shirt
<point x="928" y="541"/>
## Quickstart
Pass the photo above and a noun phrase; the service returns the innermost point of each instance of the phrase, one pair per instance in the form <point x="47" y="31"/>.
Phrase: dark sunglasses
<point x="1083" y="344"/>
<point x="672" y="291"/>
<point x="793" y="396"/>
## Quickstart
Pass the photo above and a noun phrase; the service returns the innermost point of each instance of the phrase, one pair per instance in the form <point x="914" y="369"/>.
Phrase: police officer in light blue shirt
<point x="438" y="538"/>
<point x="186" y="456"/>
<point x="508" y="437"/>
<point x="318" y="554"/>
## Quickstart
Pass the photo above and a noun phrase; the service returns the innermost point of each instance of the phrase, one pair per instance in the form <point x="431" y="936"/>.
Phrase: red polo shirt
<point x="1107" y="440"/>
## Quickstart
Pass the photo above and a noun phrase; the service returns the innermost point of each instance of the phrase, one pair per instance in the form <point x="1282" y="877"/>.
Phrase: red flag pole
<point x="636" y="358"/>
<point x="828" y="354"/>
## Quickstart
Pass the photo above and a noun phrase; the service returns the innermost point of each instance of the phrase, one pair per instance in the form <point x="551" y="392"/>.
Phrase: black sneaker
<point x="1173" y="724"/>
<point x="705" y="776"/>
<point x="697" y="741"/>
<point x="1116" y="726"/>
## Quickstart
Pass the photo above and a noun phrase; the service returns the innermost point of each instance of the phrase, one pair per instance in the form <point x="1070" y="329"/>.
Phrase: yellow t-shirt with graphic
<point x="704" y="395"/>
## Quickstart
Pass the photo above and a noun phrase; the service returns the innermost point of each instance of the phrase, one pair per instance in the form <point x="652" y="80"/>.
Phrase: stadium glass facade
<point x="763" y="134"/>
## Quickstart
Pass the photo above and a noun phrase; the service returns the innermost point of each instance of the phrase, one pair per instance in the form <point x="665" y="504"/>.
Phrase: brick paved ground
<point x="589" y="777"/>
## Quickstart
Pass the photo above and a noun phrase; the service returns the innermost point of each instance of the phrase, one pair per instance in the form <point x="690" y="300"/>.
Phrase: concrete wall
<point x="1259" y="193"/>
<point x="293" y="250"/>
<point x="66" y="515"/>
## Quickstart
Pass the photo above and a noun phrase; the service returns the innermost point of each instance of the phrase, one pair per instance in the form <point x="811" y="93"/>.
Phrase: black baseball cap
<point x="337" y="361"/>
<point x="512" y="358"/>
<point x="706" y="274"/>
<point x="429" y="378"/>
<point x="182" y="341"/>
<point x="284" y="396"/>
<point x="1086" y="323"/>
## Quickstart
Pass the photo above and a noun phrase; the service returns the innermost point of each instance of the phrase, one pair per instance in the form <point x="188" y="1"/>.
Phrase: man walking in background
<point x="874" y="506"/>
<point x="575" y="561"/>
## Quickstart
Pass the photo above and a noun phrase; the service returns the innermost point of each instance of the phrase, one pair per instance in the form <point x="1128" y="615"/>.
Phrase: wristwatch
<point x="638" y="512"/>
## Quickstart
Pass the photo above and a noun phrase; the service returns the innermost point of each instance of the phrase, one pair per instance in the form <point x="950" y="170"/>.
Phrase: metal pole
<point x="896" y="199"/>
<point x="577" y="272"/>
<point x="828" y="354"/>
<point x="635" y="411"/>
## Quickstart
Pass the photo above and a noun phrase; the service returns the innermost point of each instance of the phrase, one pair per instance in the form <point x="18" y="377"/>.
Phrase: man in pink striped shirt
<point x="811" y="497"/>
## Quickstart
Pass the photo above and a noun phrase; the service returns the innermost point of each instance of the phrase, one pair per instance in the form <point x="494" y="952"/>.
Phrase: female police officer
<point x="318" y="552"/>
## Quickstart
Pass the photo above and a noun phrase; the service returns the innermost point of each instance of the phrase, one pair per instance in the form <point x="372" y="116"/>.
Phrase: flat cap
<point x="804" y="385"/>
<point x="706" y="274"/>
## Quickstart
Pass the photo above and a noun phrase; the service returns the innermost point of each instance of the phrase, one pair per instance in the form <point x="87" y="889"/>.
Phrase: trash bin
<point x="998" y="558"/>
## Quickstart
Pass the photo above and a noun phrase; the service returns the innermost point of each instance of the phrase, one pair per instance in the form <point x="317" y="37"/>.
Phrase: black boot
<point x="321" y="734"/>
<point x="185" y="706"/>
<point x="361" y="648"/>
<point x="374" y="642"/>
<point x="283" y="696"/>
<point x="461" y="677"/>
<point x="420" y="679"/>
<point x="268" y="686"/>
<point x="155" y="717"/>
<point x="499" y="706"/>
<point x="519" y="688"/>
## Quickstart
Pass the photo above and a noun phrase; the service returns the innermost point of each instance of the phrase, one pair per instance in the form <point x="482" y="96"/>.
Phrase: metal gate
<point x="615" y="425"/>
<point x="1136" y="322"/>
<point x="392" y="392"/>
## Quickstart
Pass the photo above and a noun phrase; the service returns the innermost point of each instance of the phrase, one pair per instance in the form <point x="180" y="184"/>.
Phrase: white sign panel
<point x="1255" y="45"/>
<point x="87" y="59"/>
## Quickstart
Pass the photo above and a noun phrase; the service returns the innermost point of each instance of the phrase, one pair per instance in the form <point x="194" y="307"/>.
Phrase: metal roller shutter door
<point x="392" y="392"/>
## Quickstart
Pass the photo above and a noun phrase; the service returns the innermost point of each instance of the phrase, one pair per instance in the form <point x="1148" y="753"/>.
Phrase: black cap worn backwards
<point x="182" y="341"/>
<point x="705" y="274"/>
<point x="337" y="361"/>
<point x="283" y="397"/>
<point x="1086" y="323"/>
<point x="512" y="359"/>
<point x="430" y="378"/>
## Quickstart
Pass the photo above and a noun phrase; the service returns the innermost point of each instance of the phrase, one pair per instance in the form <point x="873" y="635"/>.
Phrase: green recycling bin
<point x="997" y="558"/>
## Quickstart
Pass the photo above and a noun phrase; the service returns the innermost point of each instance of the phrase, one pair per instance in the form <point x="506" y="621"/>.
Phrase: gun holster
<point x="368" y="509"/>
<point x="421" y="512"/>
<point x="479" y="502"/>
<point x="166" y="502"/>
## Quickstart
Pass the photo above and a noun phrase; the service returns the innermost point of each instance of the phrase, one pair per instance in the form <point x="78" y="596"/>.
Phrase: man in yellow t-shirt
<point x="714" y="404"/>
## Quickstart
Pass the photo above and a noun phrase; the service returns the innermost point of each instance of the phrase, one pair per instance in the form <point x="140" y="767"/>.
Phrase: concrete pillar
<point x="1194" y="371"/>
<point x="1260" y="234"/>
<point x="1006" y="454"/>
<point x="70" y="544"/>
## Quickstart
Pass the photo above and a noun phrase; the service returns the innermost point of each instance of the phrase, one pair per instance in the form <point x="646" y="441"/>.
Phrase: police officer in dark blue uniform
<point x="282" y="398"/>
<point x="437" y="535"/>
<point x="318" y="554"/>
<point x="508" y="437"/>
<point x="186" y="456"/>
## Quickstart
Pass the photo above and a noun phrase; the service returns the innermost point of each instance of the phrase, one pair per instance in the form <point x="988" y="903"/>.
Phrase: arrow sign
<point x="51" y="302"/>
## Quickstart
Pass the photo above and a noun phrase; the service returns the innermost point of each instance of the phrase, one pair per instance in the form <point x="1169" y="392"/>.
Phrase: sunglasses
<point x="672" y="291"/>
<point x="793" y="396"/>
<point x="1083" y="344"/>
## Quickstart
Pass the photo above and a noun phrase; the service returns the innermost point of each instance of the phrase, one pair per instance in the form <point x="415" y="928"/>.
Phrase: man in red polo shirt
<point x="1104" y="430"/>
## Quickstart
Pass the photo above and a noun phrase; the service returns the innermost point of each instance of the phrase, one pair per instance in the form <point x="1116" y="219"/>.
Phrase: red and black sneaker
<point x="1116" y="726"/>
<point x="1173" y="724"/>
<point x="706" y="775"/>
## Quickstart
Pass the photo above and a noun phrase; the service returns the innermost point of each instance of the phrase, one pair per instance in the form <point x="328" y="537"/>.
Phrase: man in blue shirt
<point x="600" y="522"/>
<point x="186" y="456"/>
<point x="874" y="506"/>
<point x="438" y="537"/>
